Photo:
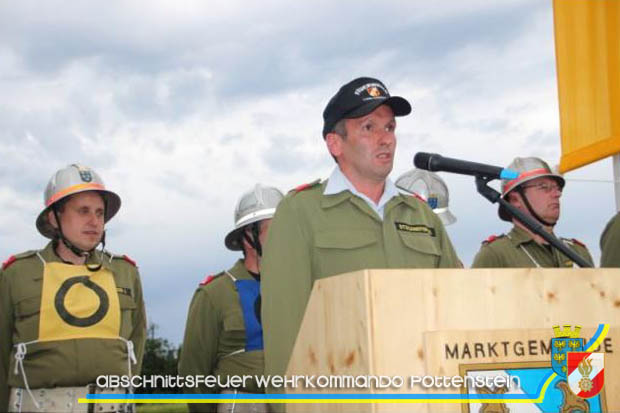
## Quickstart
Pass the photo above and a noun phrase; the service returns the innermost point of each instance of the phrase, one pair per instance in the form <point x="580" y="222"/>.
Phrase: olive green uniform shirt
<point x="511" y="251"/>
<point x="64" y="363"/>
<point x="610" y="243"/>
<point x="215" y="338"/>
<point x="313" y="236"/>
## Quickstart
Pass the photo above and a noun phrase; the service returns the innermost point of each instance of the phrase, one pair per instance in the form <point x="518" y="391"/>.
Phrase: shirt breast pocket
<point x="345" y="250"/>
<point x="422" y="250"/>
<point x="128" y="307"/>
<point x="27" y="312"/>
<point x="234" y="328"/>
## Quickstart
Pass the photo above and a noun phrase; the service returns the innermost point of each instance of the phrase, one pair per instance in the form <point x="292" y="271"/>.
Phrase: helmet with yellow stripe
<point x="68" y="181"/>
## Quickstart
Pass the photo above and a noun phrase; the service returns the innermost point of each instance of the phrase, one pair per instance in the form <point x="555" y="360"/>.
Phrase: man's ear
<point x="52" y="219"/>
<point x="516" y="199"/>
<point x="334" y="144"/>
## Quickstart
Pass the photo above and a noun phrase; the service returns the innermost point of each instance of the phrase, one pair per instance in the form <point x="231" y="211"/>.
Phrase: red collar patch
<point x="129" y="260"/>
<point x="208" y="279"/>
<point x="491" y="239"/>
<point x="579" y="242"/>
<point x="303" y="187"/>
<point x="6" y="264"/>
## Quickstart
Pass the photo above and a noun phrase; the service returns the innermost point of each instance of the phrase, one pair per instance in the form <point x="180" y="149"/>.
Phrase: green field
<point x="161" y="408"/>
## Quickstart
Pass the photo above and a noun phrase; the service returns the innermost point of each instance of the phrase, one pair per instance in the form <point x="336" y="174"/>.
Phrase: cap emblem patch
<point x="371" y="90"/>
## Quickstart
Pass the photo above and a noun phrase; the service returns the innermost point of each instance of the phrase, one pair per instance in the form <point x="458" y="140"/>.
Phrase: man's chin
<point x="553" y="219"/>
<point x="384" y="171"/>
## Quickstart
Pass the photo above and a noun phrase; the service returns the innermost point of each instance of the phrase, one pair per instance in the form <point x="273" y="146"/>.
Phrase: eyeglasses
<point x="546" y="188"/>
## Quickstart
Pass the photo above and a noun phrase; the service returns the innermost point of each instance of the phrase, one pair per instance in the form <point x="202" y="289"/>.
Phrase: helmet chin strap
<point x="531" y="210"/>
<point x="254" y="241"/>
<point x="78" y="251"/>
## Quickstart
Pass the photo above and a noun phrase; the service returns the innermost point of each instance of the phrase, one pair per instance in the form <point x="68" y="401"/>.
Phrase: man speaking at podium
<point x="354" y="220"/>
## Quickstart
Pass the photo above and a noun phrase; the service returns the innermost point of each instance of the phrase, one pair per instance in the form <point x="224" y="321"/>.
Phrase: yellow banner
<point x="78" y="303"/>
<point x="587" y="45"/>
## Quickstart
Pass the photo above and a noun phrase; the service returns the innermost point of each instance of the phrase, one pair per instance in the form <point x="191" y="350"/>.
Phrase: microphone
<point x="436" y="162"/>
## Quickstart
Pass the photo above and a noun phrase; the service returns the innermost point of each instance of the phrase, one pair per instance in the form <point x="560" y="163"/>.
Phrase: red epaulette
<point x="6" y="264"/>
<point x="420" y="197"/>
<point x="490" y="239"/>
<point x="208" y="279"/>
<point x="309" y="185"/>
<point x="129" y="260"/>
<point x="301" y="187"/>
<point x="579" y="243"/>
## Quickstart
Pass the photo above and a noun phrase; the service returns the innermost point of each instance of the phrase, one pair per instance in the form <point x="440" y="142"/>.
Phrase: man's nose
<point x="94" y="218"/>
<point x="386" y="137"/>
<point x="556" y="191"/>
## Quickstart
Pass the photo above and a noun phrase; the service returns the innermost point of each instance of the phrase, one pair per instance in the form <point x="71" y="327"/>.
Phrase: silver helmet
<point x="432" y="188"/>
<point x="71" y="180"/>
<point x="255" y="205"/>
<point x="529" y="168"/>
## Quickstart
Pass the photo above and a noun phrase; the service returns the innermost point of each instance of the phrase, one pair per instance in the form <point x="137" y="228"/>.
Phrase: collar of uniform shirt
<point x="520" y="236"/>
<point x="338" y="182"/>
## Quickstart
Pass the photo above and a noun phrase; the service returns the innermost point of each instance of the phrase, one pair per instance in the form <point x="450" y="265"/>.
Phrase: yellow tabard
<point x="78" y="303"/>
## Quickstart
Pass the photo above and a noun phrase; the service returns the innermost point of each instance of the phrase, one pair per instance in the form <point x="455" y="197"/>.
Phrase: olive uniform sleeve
<point x="6" y="333"/>
<point x="138" y="335"/>
<point x="199" y="350"/>
<point x="487" y="258"/>
<point x="286" y="284"/>
<point x="610" y="243"/>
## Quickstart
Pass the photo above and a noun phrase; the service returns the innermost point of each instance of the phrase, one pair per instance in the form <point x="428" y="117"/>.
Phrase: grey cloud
<point x="230" y="138"/>
<point x="491" y="125"/>
<point x="284" y="156"/>
<point x="170" y="97"/>
<point x="542" y="138"/>
<point x="44" y="140"/>
<point x="29" y="162"/>
<point x="312" y="47"/>
<point x="543" y="145"/>
<point x="175" y="180"/>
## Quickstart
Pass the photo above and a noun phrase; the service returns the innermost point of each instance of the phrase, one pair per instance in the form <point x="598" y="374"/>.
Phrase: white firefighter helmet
<point x="71" y="180"/>
<point x="432" y="188"/>
<point x="255" y="205"/>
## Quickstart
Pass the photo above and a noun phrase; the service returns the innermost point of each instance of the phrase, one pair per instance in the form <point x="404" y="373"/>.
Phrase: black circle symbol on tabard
<point x="59" y="302"/>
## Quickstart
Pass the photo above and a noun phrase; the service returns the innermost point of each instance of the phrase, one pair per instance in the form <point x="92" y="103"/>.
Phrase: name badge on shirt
<point x="418" y="229"/>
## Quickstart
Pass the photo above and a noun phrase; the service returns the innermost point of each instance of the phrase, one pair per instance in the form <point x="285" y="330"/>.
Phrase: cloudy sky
<point x="182" y="106"/>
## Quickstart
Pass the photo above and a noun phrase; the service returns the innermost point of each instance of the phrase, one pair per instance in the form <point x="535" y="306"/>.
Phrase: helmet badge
<point x="85" y="174"/>
<point x="432" y="201"/>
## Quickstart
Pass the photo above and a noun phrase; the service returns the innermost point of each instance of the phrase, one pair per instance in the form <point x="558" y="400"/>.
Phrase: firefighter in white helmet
<point x="431" y="188"/>
<point x="223" y="334"/>
<point x="535" y="192"/>
<point x="69" y="313"/>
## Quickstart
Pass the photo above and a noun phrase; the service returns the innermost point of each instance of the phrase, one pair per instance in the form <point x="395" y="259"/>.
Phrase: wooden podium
<point x="442" y="322"/>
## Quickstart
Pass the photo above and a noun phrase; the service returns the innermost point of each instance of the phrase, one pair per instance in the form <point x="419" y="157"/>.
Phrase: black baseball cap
<point x="358" y="98"/>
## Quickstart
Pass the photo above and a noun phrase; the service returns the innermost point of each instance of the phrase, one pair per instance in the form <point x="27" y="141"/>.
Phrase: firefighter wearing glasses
<point x="223" y="334"/>
<point x="536" y="192"/>
<point x="69" y="313"/>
